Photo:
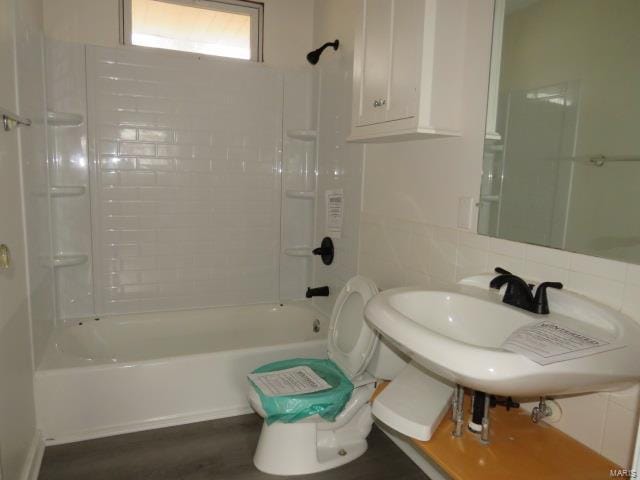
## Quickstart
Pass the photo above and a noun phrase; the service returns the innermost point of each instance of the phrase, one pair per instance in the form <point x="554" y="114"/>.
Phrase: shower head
<point x="314" y="57"/>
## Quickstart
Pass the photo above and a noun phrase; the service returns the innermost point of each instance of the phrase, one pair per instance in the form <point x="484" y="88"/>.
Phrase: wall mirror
<point x="561" y="165"/>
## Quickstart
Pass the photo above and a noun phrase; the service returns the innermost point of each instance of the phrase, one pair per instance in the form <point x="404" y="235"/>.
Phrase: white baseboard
<point x="147" y="425"/>
<point x="31" y="468"/>
<point x="420" y="459"/>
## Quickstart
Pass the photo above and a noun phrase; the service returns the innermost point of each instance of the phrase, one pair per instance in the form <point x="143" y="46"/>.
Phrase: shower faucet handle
<point x="325" y="250"/>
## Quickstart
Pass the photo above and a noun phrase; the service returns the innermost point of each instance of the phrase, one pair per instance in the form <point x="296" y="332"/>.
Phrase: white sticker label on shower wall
<point x="549" y="342"/>
<point x="292" y="381"/>
<point x="335" y="211"/>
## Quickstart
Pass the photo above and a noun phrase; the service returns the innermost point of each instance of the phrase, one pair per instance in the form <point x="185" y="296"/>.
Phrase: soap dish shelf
<point x="57" y="191"/>
<point x="490" y="198"/>
<point x="64" y="119"/>
<point x="304" y="194"/>
<point x="304" y="135"/>
<point x="68" y="260"/>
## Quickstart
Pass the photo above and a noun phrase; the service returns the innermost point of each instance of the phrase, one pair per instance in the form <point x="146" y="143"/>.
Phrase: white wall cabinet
<point x="408" y="69"/>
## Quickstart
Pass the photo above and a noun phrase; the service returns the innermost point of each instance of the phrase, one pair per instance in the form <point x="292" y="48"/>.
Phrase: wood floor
<point x="220" y="449"/>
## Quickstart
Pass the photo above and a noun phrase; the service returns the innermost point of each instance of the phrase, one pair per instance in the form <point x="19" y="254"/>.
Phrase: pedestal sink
<point x="458" y="334"/>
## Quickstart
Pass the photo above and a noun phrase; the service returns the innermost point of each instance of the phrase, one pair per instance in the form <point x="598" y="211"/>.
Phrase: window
<point x="229" y="28"/>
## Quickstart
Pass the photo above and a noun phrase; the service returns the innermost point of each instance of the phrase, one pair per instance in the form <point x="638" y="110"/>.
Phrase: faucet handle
<point x="503" y="277"/>
<point x="540" y="301"/>
<point x="501" y="271"/>
<point x="325" y="250"/>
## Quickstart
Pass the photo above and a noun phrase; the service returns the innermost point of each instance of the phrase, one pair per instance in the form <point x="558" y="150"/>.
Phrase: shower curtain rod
<point x="599" y="160"/>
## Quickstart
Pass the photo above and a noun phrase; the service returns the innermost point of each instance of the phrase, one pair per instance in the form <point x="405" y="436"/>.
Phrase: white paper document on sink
<point x="292" y="381"/>
<point x="549" y="342"/>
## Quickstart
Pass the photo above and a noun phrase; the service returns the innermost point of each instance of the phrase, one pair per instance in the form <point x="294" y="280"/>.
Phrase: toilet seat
<point x="351" y="342"/>
<point x="350" y="345"/>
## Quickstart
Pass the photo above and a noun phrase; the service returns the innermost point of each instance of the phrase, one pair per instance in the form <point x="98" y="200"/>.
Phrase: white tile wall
<point x="396" y="252"/>
<point x="339" y="167"/>
<point x="187" y="183"/>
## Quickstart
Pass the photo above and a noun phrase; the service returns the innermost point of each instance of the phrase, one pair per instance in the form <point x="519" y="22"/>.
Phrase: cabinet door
<point x="406" y="51"/>
<point x="376" y="43"/>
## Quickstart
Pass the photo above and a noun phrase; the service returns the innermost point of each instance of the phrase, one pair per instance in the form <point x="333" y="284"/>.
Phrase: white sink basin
<point x="458" y="334"/>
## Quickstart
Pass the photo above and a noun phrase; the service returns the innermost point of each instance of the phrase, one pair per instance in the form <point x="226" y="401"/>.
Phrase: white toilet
<point x="315" y="444"/>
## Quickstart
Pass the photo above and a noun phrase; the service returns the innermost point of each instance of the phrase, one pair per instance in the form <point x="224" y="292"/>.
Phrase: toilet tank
<point x="387" y="360"/>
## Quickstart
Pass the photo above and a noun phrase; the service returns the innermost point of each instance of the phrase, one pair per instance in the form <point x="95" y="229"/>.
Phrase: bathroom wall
<point x="409" y="232"/>
<point x="33" y="144"/>
<point x="186" y="198"/>
<point x="20" y="31"/>
<point x="288" y="26"/>
<point x="339" y="162"/>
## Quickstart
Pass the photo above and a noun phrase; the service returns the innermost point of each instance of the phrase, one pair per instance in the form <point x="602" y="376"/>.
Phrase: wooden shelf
<point x="519" y="449"/>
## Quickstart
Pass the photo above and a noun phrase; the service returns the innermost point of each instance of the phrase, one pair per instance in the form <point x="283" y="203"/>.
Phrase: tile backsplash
<point x="396" y="252"/>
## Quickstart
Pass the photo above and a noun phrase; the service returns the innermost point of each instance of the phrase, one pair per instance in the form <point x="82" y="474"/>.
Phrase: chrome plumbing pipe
<point x="458" y="415"/>
<point x="486" y="420"/>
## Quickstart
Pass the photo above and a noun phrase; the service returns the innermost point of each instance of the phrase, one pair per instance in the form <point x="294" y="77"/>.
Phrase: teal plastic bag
<point x="328" y="403"/>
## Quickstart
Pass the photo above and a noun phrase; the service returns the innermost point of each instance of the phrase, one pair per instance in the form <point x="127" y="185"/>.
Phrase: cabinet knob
<point x="5" y="257"/>
<point x="379" y="103"/>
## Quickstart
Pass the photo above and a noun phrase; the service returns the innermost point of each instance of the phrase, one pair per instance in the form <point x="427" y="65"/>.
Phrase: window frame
<point x="252" y="8"/>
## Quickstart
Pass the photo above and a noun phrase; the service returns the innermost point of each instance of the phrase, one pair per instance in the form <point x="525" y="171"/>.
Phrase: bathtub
<point x="127" y="373"/>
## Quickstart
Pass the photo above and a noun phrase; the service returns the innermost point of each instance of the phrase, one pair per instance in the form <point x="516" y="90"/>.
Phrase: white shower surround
<point x="135" y="372"/>
<point x="186" y="163"/>
<point x="187" y="166"/>
<point x="186" y="191"/>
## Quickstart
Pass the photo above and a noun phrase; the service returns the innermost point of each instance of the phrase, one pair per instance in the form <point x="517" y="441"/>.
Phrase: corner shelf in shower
<point x="306" y="194"/>
<point x="298" y="252"/>
<point x="67" y="190"/>
<point x="64" y="119"/>
<point x="305" y="135"/>
<point x="68" y="260"/>
<point x="490" y="198"/>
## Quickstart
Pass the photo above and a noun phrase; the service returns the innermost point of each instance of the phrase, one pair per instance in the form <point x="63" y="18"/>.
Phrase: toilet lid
<point x="351" y="341"/>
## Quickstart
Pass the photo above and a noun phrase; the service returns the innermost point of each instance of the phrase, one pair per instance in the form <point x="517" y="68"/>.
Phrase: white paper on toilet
<point x="549" y="342"/>
<point x="291" y="381"/>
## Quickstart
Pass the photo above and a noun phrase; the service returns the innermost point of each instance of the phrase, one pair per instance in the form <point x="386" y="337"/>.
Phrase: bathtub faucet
<point x="317" y="292"/>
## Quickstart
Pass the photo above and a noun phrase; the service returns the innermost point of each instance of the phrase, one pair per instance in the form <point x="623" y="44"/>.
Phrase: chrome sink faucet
<point x="519" y="293"/>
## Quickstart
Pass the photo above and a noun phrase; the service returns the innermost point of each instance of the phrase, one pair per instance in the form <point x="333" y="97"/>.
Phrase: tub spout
<point x="317" y="292"/>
